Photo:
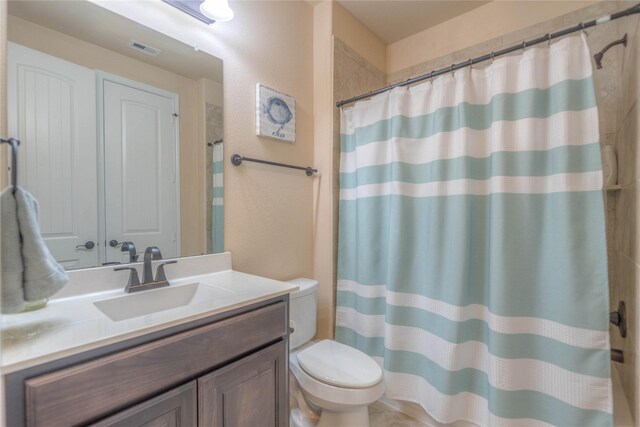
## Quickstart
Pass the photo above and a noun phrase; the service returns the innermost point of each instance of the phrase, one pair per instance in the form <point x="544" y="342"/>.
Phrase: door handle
<point x="87" y="245"/>
<point x="114" y="243"/>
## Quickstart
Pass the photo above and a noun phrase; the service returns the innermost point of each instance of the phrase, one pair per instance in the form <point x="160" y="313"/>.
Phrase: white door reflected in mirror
<point x="140" y="158"/>
<point x="52" y="106"/>
<point x="121" y="131"/>
<point x="56" y="110"/>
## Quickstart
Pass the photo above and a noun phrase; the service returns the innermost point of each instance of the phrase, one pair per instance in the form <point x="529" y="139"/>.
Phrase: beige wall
<point x="358" y="37"/>
<point x="323" y="207"/>
<point x="192" y="142"/>
<point x="483" y="23"/>
<point x="268" y="211"/>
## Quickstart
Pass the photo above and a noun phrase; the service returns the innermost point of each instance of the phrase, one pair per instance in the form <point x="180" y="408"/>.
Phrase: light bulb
<point x="218" y="10"/>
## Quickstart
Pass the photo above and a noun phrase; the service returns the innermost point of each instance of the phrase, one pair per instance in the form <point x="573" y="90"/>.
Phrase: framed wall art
<point x="275" y="114"/>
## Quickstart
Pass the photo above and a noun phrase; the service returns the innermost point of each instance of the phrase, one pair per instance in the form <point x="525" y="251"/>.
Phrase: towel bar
<point x="14" y="143"/>
<point x="237" y="160"/>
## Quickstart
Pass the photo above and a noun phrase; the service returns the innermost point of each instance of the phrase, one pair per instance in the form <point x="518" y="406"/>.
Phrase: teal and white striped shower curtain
<point x="217" y="208"/>
<point x="472" y="254"/>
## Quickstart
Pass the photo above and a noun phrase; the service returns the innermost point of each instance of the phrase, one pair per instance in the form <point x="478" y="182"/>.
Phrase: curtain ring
<point x="451" y="69"/>
<point x="431" y="76"/>
<point x="493" y="56"/>
<point x="583" y="29"/>
<point x="548" y="40"/>
<point x="524" y="46"/>
<point x="471" y="63"/>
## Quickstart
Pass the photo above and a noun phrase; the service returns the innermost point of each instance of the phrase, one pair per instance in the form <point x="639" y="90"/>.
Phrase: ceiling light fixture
<point x="218" y="10"/>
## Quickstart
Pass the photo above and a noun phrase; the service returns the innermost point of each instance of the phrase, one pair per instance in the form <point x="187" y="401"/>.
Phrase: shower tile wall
<point x="626" y="205"/>
<point x="617" y="87"/>
<point x="352" y="75"/>
<point x="213" y="133"/>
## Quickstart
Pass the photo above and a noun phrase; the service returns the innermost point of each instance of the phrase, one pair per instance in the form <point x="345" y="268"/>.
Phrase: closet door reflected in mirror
<point x="140" y="165"/>
<point x="121" y="134"/>
<point x="52" y="109"/>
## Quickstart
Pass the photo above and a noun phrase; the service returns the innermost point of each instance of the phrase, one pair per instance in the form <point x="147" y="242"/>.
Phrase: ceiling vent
<point x="141" y="47"/>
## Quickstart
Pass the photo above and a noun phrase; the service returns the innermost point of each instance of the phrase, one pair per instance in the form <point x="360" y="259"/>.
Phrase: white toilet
<point x="339" y="379"/>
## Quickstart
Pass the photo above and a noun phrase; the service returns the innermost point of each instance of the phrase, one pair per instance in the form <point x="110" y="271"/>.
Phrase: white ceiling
<point x="393" y="20"/>
<point x="94" y="24"/>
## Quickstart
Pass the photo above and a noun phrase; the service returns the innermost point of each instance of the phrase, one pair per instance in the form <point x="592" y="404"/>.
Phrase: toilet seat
<point x="339" y="365"/>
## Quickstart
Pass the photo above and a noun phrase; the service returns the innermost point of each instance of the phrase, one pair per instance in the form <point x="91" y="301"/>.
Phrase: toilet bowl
<point x="340" y="380"/>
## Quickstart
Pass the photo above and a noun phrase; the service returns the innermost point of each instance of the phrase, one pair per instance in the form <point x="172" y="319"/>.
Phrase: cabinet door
<point x="176" y="408"/>
<point x="250" y="392"/>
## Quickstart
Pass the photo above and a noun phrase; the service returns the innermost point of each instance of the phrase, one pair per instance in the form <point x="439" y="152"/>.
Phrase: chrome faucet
<point x="148" y="282"/>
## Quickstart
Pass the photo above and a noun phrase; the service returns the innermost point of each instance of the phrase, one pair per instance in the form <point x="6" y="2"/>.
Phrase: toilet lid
<point x="339" y="365"/>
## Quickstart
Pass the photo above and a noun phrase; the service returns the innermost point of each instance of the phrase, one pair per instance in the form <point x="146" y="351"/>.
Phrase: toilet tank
<point x="303" y="310"/>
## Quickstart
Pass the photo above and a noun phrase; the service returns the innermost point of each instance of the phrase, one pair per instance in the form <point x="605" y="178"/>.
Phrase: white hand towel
<point x="32" y="273"/>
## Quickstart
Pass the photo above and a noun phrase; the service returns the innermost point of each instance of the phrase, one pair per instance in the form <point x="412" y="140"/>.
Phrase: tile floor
<point x="383" y="415"/>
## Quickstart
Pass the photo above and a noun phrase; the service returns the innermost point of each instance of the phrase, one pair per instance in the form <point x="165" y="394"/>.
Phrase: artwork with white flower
<point x="275" y="114"/>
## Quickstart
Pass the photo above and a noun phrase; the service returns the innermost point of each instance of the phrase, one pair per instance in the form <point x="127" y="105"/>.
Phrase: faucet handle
<point x="160" y="276"/>
<point x="134" y="280"/>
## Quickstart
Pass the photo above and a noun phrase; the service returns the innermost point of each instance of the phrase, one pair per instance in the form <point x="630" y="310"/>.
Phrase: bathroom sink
<point x="156" y="300"/>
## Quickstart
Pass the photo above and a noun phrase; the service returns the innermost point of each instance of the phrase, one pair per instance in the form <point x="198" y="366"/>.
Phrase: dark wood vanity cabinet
<point x="219" y="372"/>
<point x="245" y="393"/>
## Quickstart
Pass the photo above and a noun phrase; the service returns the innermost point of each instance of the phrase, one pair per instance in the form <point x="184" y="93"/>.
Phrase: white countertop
<point x="73" y="324"/>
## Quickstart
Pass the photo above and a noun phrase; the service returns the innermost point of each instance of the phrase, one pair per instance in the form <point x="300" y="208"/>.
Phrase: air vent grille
<point x="141" y="47"/>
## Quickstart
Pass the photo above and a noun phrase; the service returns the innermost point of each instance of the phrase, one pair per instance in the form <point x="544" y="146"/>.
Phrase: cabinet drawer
<point x="91" y="390"/>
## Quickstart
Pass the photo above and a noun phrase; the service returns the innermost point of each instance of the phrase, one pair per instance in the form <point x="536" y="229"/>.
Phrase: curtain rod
<point x="546" y="38"/>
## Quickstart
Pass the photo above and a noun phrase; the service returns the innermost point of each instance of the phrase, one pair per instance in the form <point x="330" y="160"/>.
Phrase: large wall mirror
<point x="121" y="134"/>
